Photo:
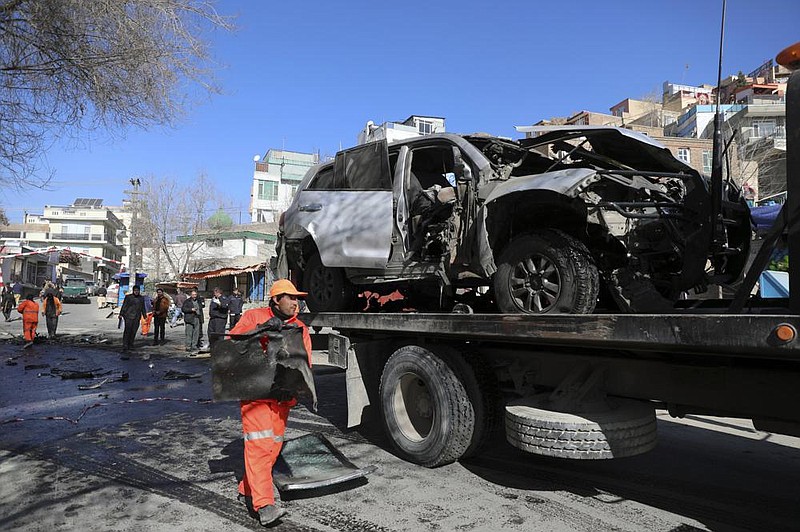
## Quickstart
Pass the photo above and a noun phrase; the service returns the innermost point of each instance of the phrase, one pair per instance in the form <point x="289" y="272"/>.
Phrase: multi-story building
<point x="677" y="97"/>
<point x="697" y="153"/>
<point x="218" y="249"/>
<point x="698" y="120"/>
<point x="86" y="226"/>
<point x="413" y="126"/>
<point x="275" y="181"/>
<point x="125" y="215"/>
<point x="760" y="140"/>
<point x="590" y="118"/>
<point x="647" y="116"/>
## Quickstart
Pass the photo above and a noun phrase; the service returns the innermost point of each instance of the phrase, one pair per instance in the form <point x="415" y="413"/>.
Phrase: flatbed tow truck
<point x="581" y="386"/>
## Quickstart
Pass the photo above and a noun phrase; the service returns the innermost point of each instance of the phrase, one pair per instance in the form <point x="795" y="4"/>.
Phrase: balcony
<point x="78" y="236"/>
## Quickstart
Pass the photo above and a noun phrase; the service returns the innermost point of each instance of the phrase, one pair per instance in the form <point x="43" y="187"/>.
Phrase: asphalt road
<point x="151" y="454"/>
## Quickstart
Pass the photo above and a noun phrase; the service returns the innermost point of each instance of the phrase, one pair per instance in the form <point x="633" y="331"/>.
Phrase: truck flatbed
<point x="747" y="336"/>
<point x="733" y="365"/>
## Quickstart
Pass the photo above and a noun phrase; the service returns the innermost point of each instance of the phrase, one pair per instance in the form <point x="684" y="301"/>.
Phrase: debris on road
<point x="94" y="339"/>
<point x="173" y="375"/>
<point x="92" y="386"/>
<point x="312" y="461"/>
<point x="75" y="374"/>
<point x="75" y="421"/>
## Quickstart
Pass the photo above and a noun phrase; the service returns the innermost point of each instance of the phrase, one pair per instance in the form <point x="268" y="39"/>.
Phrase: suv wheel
<point x="328" y="288"/>
<point x="549" y="272"/>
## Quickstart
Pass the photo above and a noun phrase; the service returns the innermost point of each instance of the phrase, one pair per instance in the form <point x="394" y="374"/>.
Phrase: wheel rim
<point x="413" y="407"/>
<point x="321" y="285"/>
<point x="535" y="284"/>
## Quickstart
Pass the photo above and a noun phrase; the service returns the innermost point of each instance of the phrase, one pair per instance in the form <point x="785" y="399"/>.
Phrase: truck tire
<point x="628" y="428"/>
<point x="548" y="272"/>
<point x="328" y="289"/>
<point x="484" y="393"/>
<point x="427" y="411"/>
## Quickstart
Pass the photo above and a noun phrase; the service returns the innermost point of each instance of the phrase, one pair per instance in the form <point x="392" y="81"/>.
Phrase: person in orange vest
<point x="30" y="319"/>
<point x="264" y="420"/>
<point x="51" y="310"/>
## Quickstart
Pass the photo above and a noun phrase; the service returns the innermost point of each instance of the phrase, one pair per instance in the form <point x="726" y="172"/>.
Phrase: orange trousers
<point x="29" y="328"/>
<point x="146" y="323"/>
<point x="263" y="425"/>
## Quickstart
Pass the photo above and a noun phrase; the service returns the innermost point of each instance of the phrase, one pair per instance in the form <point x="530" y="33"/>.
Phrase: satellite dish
<point x="256" y="158"/>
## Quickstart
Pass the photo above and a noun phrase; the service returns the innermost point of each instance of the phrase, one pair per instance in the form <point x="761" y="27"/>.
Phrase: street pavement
<point x="151" y="453"/>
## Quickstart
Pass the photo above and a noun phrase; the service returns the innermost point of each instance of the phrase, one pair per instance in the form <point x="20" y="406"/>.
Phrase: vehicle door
<point x="426" y="165"/>
<point x="347" y="208"/>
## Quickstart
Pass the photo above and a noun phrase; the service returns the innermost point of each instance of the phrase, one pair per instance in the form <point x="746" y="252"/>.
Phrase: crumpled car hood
<point x="566" y="182"/>
<point x="623" y="145"/>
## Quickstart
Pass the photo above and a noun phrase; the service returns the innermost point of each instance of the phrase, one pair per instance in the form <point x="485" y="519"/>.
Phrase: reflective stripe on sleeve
<point x="261" y="434"/>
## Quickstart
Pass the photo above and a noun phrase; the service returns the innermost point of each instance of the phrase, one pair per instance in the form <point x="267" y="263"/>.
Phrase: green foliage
<point x="779" y="261"/>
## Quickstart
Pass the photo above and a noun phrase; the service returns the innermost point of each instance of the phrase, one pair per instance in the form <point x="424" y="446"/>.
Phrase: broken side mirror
<point x="461" y="169"/>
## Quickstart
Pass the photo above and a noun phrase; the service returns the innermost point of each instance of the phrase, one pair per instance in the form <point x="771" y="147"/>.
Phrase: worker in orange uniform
<point x="264" y="420"/>
<point x="30" y="319"/>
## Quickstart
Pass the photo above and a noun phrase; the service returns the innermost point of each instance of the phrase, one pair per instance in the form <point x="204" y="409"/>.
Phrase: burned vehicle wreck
<point x="549" y="224"/>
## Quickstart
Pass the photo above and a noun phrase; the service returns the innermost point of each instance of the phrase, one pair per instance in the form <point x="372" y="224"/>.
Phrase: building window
<point x="268" y="190"/>
<point x="684" y="154"/>
<point x="425" y="127"/>
<point x="707" y="158"/>
<point x="762" y="128"/>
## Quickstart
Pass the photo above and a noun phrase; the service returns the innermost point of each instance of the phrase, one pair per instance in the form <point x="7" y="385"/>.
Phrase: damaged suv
<point x="549" y="224"/>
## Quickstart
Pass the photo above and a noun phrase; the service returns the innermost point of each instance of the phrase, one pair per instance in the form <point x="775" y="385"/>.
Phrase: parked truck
<point x="581" y="385"/>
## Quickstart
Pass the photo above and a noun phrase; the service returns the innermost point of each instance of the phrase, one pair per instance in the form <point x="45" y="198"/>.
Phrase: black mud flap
<point x="241" y="370"/>
<point x="312" y="462"/>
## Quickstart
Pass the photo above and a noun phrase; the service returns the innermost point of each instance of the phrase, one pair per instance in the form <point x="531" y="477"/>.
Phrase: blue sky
<point x="308" y="75"/>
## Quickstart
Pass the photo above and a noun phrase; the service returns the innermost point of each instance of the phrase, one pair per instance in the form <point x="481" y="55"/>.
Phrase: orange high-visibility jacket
<point x="263" y="423"/>
<point x="58" y="306"/>
<point x="29" y="310"/>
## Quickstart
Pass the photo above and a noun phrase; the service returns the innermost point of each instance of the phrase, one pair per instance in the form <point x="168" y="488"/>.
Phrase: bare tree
<point x="76" y="66"/>
<point x="758" y="164"/>
<point x="653" y="116"/>
<point x="174" y="221"/>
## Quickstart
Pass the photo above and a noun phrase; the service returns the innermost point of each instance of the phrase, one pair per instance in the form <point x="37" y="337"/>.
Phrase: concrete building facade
<point x="275" y="180"/>
<point x="413" y="126"/>
<point x="85" y="226"/>
<point x="232" y="246"/>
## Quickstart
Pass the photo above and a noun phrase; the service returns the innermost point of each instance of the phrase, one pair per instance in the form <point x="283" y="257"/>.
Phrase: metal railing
<point x="77" y="236"/>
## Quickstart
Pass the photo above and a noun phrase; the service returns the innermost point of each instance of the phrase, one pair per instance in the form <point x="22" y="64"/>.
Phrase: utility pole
<point x="133" y="205"/>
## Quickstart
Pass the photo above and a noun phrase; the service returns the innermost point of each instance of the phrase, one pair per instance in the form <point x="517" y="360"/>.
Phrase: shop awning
<point x="223" y="272"/>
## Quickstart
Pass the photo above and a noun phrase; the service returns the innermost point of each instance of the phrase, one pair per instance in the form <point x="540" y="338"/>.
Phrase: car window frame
<point x="343" y="172"/>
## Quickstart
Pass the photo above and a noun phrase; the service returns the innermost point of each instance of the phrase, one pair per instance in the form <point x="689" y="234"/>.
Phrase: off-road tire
<point x="577" y="276"/>
<point x="430" y="406"/>
<point x="328" y="289"/>
<point x="628" y="428"/>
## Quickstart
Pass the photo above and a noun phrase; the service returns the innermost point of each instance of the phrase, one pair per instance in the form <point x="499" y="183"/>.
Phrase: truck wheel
<point x="328" y="288"/>
<point x="628" y="428"/>
<point x="427" y="411"/>
<point x="549" y="272"/>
